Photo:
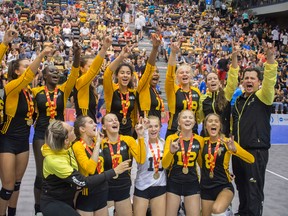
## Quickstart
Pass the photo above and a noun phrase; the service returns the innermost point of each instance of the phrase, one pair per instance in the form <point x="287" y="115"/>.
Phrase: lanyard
<point x="212" y="164"/>
<point x="52" y="104"/>
<point x="124" y="104"/>
<point x="115" y="160"/>
<point x="156" y="160"/>
<point x="187" y="155"/>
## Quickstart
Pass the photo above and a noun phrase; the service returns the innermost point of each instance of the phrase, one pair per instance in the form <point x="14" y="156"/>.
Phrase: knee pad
<point x="17" y="186"/>
<point x="5" y="194"/>
<point x="38" y="182"/>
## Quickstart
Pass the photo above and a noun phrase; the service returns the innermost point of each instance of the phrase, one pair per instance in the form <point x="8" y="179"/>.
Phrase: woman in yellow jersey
<point x="115" y="149"/>
<point x="90" y="160"/>
<point x="61" y="176"/>
<point x="85" y="96"/>
<point x="14" y="141"/>
<point x="217" y="99"/>
<point x="216" y="188"/>
<point x="180" y="155"/>
<point x="120" y="97"/>
<point x="50" y="102"/>
<point x="181" y="95"/>
<point x="8" y="37"/>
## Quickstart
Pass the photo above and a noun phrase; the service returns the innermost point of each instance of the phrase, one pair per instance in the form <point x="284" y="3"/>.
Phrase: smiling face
<point x="213" y="83"/>
<point x="251" y="82"/>
<point x="51" y="75"/>
<point x="213" y="125"/>
<point x="184" y="75"/>
<point x="124" y="76"/>
<point x="186" y="120"/>
<point x="154" y="128"/>
<point x="111" y="123"/>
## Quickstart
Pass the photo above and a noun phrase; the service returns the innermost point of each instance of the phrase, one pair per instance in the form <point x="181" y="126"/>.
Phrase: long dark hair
<point x="79" y="122"/>
<point x="130" y="84"/>
<point x="13" y="66"/>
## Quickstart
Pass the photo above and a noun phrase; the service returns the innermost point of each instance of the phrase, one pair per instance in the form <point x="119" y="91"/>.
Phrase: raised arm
<point x="149" y="70"/>
<point x="8" y="38"/>
<point x="266" y="93"/>
<point x="170" y="77"/>
<point x="232" y="80"/>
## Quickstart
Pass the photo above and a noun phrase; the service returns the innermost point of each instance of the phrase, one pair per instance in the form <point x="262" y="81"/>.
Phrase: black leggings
<point x="57" y="208"/>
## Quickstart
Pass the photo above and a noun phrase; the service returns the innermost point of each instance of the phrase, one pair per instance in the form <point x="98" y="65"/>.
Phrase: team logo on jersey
<point x="123" y="148"/>
<point x="250" y="102"/>
<point x="131" y="97"/>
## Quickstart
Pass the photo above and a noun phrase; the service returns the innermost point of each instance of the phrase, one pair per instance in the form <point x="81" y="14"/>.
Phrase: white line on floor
<point x="280" y="176"/>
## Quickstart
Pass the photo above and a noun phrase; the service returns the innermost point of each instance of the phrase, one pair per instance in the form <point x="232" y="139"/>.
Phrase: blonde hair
<point x="179" y="116"/>
<point x="184" y="66"/>
<point x="55" y="135"/>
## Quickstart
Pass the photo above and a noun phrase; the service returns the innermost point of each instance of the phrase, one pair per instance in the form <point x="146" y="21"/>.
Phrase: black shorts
<point x="137" y="31"/>
<point x="118" y="195"/>
<point x="92" y="202"/>
<point x="211" y="194"/>
<point x="13" y="146"/>
<point x="150" y="192"/>
<point x="186" y="189"/>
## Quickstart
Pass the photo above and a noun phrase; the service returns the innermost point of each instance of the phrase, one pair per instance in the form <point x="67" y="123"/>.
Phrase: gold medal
<point x="185" y="170"/>
<point x="211" y="174"/>
<point x="115" y="177"/>
<point x="124" y="121"/>
<point x="51" y="120"/>
<point x="156" y="176"/>
<point x="29" y="122"/>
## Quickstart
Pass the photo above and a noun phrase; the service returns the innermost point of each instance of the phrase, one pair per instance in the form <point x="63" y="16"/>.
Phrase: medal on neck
<point x="156" y="161"/>
<point x="213" y="163"/>
<point x="51" y="104"/>
<point x="185" y="156"/>
<point x="115" y="160"/>
<point x="30" y="105"/>
<point x="125" y="106"/>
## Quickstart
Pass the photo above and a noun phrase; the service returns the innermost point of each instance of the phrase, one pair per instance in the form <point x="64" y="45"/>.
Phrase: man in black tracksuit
<point x="251" y="128"/>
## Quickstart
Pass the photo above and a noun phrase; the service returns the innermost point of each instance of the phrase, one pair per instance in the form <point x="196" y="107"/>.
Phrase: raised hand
<point x="146" y="123"/>
<point x="122" y="167"/>
<point x="126" y="51"/>
<point x="139" y="128"/>
<point x="269" y="49"/>
<point x="77" y="48"/>
<point x="155" y="40"/>
<point x="48" y="50"/>
<point x="174" y="146"/>
<point x="230" y="144"/>
<point x="9" y="36"/>
<point x="175" y="47"/>
<point x="107" y="42"/>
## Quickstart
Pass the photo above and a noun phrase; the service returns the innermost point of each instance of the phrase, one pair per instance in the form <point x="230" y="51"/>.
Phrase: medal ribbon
<point x="124" y="103"/>
<point x="188" y="99"/>
<point x="160" y="99"/>
<point x="90" y="153"/>
<point x="156" y="160"/>
<point x="30" y="104"/>
<point x="116" y="159"/>
<point x="52" y="106"/>
<point x="187" y="155"/>
<point x="212" y="164"/>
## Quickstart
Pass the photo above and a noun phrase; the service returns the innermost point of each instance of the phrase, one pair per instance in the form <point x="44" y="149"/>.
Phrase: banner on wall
<point x="279" y="119"/>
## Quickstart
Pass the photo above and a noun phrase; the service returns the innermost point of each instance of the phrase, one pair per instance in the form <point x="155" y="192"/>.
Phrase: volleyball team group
<point x="81" y="170"/>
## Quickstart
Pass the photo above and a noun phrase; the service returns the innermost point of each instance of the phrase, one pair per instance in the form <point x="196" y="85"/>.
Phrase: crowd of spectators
<point x="206" y="31"/>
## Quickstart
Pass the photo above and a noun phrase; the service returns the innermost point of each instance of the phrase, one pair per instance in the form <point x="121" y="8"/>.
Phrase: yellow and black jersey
<point x="84" y="97"/>
<point x="87" y="166"/>
<point x="128" y="148"/>
<point x="61" y="176"/>
<point x="3" y="49"/>
<point x="16" y="107"/>
<point x="42" y="105"/>
<point x="147" y="98"/>
<point x="177" y="98"/>
<point x="113" y="99"/>
<point x="221" y="174"/>
<point x="207" y="101"/>
<point x="174" y="162"/>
